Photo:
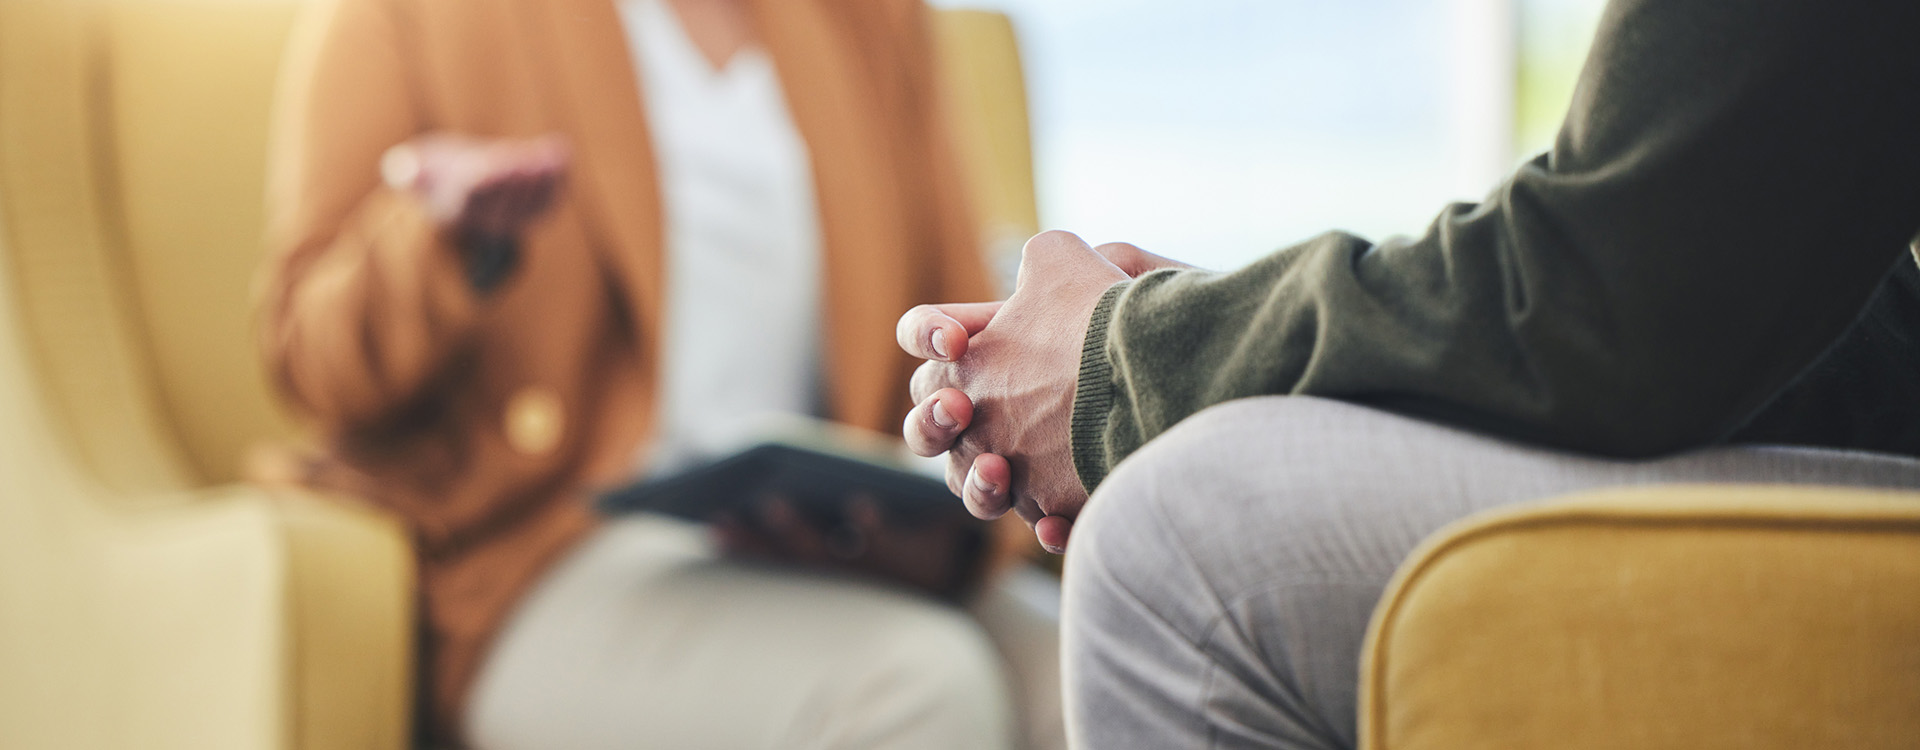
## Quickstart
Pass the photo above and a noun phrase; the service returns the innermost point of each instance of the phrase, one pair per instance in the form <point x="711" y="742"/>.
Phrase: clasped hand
<point x="996" y="393"/>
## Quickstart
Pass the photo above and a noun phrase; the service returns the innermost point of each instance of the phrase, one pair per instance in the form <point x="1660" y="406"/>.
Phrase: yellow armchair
<point x="987" y="103"/>
<point x="1691" y="617"/>
<point x="145" y="599"/>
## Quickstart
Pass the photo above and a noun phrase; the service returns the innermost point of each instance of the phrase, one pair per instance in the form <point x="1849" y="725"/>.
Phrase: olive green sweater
<point x="1733" y="182"/>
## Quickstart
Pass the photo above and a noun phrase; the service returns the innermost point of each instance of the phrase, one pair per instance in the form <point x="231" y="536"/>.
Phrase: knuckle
<point x="917" y="440"/>
<point x="1050" y="239"/>
<point x="916" y="324"/>
<point x="1045" y="250"/>
<point x="910" y="322"/>
<point x="923" y="437"/>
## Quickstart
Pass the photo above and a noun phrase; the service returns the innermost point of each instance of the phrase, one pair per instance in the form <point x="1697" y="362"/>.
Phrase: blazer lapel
<point x="597" y="95"/>
<point x="816" y="49"/>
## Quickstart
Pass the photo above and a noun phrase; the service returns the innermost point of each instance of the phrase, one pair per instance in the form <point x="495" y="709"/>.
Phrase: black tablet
<point x="816" y="479"/>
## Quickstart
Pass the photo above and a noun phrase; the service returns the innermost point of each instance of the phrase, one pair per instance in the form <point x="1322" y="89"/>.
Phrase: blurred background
<point x="1220" y="130"/>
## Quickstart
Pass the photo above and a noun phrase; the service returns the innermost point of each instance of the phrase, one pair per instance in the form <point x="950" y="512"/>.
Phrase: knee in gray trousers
<point x="1219" y="583"/>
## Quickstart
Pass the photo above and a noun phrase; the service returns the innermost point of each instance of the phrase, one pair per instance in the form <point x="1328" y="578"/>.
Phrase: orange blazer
<point x="486" y="421"/>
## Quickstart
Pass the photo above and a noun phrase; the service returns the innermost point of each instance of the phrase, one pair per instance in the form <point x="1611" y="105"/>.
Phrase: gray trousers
<point x="645" y="637"/>
<point x="1219" y="584"/>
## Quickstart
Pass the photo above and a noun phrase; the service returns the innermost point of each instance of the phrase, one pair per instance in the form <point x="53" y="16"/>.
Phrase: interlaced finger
<point x="940" y="332"/>
<point x="933" y="425"/>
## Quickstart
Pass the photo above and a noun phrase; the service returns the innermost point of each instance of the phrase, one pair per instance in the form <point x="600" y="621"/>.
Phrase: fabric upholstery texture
<point x="1692" y="617"/>
<point x="145" y="601"/>
<point x="987" y="101"/>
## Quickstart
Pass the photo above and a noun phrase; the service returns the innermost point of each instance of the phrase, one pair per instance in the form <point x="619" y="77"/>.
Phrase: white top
<point x="742" y="260"/>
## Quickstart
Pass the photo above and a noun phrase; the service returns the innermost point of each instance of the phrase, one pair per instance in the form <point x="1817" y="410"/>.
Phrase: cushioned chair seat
<point x="1683" y="617"/>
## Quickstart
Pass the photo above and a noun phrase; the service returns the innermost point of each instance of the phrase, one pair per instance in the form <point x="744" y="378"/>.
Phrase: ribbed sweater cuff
<point x="1093" y="394"/>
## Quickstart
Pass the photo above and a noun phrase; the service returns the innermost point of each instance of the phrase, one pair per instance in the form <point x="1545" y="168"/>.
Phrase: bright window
<point x="1219" y="130"/>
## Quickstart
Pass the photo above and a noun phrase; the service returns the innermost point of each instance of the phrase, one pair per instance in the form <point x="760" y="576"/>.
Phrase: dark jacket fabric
<point x="1732" y="185"/>
<point x="1861" y="394"/>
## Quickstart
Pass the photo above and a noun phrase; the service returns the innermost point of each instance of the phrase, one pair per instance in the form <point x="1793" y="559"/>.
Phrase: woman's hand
<point x="479" y="191"/>
<point x="942" y="555"/>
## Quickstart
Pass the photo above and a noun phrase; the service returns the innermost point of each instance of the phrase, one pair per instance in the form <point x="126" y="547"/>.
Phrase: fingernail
<point x="941" y="418"/>
<point x="980" y="483"/>
<point x="940" y="342"/>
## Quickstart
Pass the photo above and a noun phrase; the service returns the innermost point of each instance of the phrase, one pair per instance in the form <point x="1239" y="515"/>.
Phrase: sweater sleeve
<point x="364" y="302"/>
<point x="1860" y="395"/>
<point x="1730" y="186"/>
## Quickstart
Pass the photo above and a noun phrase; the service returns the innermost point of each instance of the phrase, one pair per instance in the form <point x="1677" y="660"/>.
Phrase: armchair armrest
<point x="233" y="617"/>
<point x="1679" y="617"/>
<point x="350" y="621"/>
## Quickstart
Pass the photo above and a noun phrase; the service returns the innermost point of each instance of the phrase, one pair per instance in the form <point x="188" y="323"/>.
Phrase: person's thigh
<point x="643" y="639"/>
<point x="1219" y="584"/>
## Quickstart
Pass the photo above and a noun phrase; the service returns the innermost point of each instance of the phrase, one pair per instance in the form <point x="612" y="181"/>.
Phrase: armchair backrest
<point x="987" y="103"/>
<point x="131" y="175"/>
